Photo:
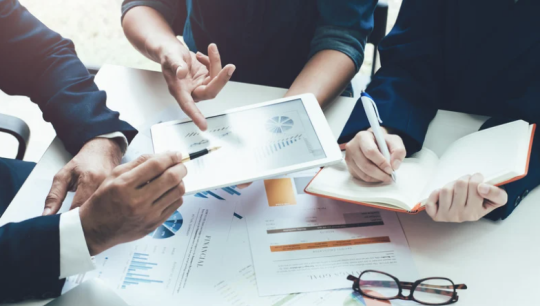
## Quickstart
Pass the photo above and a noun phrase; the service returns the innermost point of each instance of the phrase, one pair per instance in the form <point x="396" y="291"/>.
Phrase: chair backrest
<point x="19" y="129"/>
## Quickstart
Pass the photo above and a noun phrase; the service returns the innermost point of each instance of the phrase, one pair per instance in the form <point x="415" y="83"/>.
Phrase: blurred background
<point x="94" y="26"/>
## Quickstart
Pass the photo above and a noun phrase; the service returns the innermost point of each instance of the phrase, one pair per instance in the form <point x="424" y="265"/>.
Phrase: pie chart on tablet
<point x="169" y="228"/>
<point x="279" y="124"/>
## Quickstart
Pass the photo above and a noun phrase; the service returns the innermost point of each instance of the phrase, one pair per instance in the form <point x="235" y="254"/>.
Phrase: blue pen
<point x="374" y="119"/>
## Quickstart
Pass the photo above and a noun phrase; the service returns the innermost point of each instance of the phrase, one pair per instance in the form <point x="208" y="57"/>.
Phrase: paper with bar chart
<point x="302" y="243"/>
<point x="171" y="263"/>
<point x="252" y="142"/>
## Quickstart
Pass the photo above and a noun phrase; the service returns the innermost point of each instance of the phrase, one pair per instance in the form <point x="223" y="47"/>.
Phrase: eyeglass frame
<point x="407" y="286"/>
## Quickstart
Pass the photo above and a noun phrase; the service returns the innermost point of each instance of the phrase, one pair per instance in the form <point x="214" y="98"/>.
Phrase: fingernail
<point x="396" y="164"/>
<point x="388" y="170"/>
<point x="199" y="53"/>
<point x="483" y="189"/>
<point x="231" y="70"/>
<point x="47" y="212"/>
<point x="179" y="155"/>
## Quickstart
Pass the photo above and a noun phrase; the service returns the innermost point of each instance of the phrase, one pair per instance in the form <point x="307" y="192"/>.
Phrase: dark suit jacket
<point x="38" y="63"/>
<point x="473" y="56"/>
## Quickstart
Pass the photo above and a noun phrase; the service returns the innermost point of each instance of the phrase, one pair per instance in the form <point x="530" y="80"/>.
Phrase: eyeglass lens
<point x="434" y="291"/>
<point x="378" y="285"/>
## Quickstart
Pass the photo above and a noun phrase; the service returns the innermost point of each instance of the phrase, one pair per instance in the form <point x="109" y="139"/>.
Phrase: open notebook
<point x="500" y="153"/>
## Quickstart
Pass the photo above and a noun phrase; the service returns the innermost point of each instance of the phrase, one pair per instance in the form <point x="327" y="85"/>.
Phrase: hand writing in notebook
<point x="365" y="160"/>
<point x="467" y="199"/>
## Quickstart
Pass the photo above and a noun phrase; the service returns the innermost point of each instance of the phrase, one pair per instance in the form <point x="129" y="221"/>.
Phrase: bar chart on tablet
<point x="251" y="142"/>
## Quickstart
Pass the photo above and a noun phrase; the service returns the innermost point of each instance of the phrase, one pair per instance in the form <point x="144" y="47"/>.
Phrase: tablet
<point x="257" y="142"/>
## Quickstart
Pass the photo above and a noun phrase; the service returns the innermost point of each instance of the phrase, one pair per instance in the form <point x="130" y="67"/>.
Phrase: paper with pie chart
<point x="252" y="141"/>
<point x="174" y="261"/>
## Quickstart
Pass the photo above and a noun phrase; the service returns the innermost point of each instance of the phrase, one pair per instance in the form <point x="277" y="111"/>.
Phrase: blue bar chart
<point x="232" y="191"/>
<point x="139" y="271"/>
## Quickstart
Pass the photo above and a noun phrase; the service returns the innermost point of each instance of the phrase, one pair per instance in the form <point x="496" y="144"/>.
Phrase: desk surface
<point x="499" y="261"/>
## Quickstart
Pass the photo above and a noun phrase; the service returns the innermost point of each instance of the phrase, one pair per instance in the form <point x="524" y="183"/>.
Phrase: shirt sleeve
<point x="74" y="255"/>
<point x="123" y="140"/>
<point x="344" y="26"/>
<point x="167" y="8"/>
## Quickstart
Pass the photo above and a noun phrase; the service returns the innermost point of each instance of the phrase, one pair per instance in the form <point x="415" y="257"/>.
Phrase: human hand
<point x="133" y="201"/>
<point x="366" y="162"/>
<point x="467" y="199"/>
<point x="192" y="78"/>
<point x="83" y="174"/>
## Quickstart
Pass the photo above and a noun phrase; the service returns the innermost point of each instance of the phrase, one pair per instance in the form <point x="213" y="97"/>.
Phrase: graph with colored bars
<point x="229" y="190"/>
<point x="276" y="146"/>
<point x="139" y="271"/>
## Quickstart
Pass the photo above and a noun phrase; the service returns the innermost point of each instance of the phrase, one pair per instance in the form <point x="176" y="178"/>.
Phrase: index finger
<point x="187" y="104"/>
<point x="152" y="168"/>
<point x="371" y="151"/>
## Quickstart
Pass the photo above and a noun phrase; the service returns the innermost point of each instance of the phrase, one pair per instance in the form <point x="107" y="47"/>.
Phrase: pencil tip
<point x="215" y="148"/>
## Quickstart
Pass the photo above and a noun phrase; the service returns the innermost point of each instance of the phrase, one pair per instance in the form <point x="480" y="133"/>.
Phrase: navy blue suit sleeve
<point x="344" y="26"/>
<point x="406" y="88"/>
<point x="39" y="63"/>
<point x="30" y="259"/>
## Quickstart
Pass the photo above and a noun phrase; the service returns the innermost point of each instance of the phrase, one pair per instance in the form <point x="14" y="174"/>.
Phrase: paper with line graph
<point x="252" y="142"/>
<point x="302" y="243"/>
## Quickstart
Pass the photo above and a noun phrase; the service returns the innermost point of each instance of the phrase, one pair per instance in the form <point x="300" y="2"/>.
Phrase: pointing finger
<point x="187" y="104"/>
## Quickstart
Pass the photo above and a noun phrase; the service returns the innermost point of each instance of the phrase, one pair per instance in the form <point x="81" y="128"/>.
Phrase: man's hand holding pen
<point x="365" y="160"/>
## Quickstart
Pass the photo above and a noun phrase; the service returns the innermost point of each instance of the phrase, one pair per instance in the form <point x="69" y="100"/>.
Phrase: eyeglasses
<point x="428" y="291"/>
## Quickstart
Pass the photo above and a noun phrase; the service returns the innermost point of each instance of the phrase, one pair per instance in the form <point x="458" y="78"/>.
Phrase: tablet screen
<point x="252" y="142"/>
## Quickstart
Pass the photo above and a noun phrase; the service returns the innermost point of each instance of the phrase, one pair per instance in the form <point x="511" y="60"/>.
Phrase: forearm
<point x="149" y="32"/>
<point x="325" y="75"/>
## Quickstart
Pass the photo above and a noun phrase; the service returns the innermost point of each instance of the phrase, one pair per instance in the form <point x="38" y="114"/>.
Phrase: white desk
<point x="498" y="261"/>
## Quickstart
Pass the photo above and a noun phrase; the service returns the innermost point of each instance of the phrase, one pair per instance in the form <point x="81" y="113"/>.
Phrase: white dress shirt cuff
<point x="123" y="144"/>
<point x="74" y="255"/>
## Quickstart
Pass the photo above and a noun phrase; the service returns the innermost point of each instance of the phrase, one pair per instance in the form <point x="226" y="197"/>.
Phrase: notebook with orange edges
<point x="500" y="153"/>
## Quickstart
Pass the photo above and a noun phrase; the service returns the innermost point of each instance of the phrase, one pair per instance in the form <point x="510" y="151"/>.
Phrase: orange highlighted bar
<point x="328" y="244"/>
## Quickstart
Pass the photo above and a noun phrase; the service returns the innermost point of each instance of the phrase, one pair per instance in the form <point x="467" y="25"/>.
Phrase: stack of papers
<point x="269" y="244"/>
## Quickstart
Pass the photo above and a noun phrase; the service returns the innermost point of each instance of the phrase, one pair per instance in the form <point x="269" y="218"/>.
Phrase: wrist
<point x="94" y="241"/>
<point x="111" y="148"/>
<point x="166" y="48"/>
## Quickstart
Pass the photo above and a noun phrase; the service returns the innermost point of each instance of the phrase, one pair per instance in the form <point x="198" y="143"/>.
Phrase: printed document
<point x="302" y="243"/>
<point x="175" y="261"/>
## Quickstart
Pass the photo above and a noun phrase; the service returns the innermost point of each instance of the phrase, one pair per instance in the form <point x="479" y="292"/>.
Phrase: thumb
<point x="493" y="194"/>
<point x="57" y="194"/>
<point x="85" y="189"/>
<point x="179" y="66"/>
